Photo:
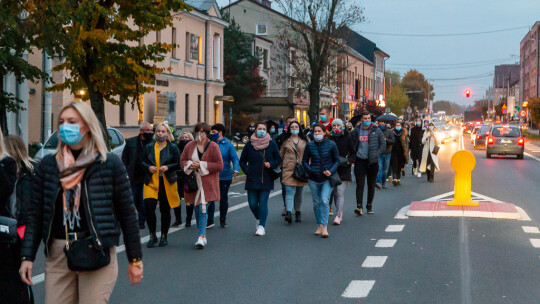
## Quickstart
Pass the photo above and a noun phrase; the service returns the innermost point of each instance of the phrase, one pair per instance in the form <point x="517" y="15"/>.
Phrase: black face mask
<point x="148" y="136"/>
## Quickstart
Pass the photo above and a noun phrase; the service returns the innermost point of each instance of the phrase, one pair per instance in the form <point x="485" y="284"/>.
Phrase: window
<point x="261" y="29"/>
<point x="174" y="43"/>
<point x="194" y="48"/>
<point x="122" y="107"/>
<point x="172" y="106"/>
<point x="199" y="108"/>
<point x="293" y="56"/>
<point x="265" y="59"/>
<point x="158" y="36"/>
<point x="115" y="140"/>
<point x="187" y="109"/>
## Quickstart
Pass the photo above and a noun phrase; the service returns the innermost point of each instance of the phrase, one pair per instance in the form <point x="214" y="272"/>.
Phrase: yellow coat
<point x="151" y="190"/>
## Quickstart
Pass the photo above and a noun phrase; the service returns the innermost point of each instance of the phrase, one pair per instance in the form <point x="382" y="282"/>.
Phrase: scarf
<point x="396" y="133"/>
<point x="260" y="143"/>
<point x="71" y="173"/>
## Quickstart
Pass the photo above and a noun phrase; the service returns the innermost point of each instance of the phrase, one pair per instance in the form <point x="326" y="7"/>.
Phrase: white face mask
<point x="318" y="137"/>
<point x="431" y="128"/>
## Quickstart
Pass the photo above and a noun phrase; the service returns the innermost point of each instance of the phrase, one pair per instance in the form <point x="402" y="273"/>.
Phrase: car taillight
<point x="490" y="141"/>
<point x="521" y="142"/>
<point x="478" y="136"/>
<point x="464" y="127"/>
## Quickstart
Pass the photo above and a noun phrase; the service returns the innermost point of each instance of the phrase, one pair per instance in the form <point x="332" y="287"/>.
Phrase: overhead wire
<point x="446" y="35"/>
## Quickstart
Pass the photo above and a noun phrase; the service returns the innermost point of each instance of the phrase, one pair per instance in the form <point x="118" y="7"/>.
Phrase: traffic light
<point x="468" y="93"/>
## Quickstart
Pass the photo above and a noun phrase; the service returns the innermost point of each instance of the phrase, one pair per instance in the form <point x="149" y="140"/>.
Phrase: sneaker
<point x="152" y="242"/>
<point x="337" y="220"/>
<point x="389" y="179"/>
<point x="163" y="241"/>
<point x="395" y="182"/>
<point x="369" y="208"/>
<point x="257" y="224"/>
<point x="419" y="174"/>
<point x="201" y="242"/>
<point x="359" y="211"/>
<point x="260" y="231"/>
<point x="177" y="223"/>
<point x="209" y="225"/>
<point x="331" y="211"/>
<point x="223" y="223"/>
<point x="378" y="186"/>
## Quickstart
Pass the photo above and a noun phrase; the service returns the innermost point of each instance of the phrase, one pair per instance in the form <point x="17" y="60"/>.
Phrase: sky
<point x="472" y="58"/>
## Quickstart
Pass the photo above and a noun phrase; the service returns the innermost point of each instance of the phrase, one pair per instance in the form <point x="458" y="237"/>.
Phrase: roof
<point x="361" y="44"/>
<point x="503" y="71"/>
<point x="202" y="5"/>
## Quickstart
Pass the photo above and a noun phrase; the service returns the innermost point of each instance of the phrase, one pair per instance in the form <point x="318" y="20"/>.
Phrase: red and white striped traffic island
<point x="494" y="210"/>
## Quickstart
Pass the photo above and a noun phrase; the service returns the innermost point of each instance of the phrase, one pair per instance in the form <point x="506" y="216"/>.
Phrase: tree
<point x="313" y="32"/>
<point x="534" y="107"/>
<point x="15" y="37"/>
<point x="99" y="41"/>
<point x="415" y="81"/>
<point x="451" y="108"/>
<point x="242" y="80"/>
<point x="392" y="78"/>
<point x="396" y="99"/>
<point x="481" y="106"/>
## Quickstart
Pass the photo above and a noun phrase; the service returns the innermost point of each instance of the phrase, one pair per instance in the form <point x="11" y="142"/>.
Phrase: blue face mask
<point x="366" y="123"/>
<point x="418" y="123"/>
<point x="383" y="127"/>
<point x="215" y="137"/>
<point x="295" y="132"/>
<point x="70" y="134"/>
<point x="398" y="128"/>
<point x="261" y="133"/>
<point x="323" y="117"/>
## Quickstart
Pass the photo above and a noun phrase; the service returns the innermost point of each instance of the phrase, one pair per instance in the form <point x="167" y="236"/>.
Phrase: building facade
<point x="190" y="90"/>
<point x="506" y="82"/>
<point x="530" y="63"/>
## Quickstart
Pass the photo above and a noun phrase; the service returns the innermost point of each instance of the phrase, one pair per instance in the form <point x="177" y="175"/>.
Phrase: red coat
<point x="210" y="182"/>
<point x="329" y="126"/>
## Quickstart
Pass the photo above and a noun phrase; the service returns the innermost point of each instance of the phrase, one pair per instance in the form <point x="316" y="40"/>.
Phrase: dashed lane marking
<point x="358" y="289"/>
<point x="374" y="261"/>
<point x="386" y="243"/>
<point x="530" y="229"/>
<point x="535" y="243"/>
<point x="394" y="228"/>
<point x="41" y="277"/>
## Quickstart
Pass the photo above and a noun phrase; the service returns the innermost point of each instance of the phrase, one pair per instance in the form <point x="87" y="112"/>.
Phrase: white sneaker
<point x="257" y="224"/>
<point x="201" y="242"/>
<point x="419" y="174"/>
<point x="260" y="231"/>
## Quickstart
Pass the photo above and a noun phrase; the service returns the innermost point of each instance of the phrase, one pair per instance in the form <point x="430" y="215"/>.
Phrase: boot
<point x="298" y="217"/>
<point x="288" y="217"/>
<point x="153" y="241"/>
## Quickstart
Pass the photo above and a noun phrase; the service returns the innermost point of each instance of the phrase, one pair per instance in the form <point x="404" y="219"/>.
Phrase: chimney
<point x="266" y="3"/>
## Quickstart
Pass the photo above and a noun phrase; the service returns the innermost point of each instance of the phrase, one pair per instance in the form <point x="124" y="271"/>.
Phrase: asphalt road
<point x="427" y="260"/>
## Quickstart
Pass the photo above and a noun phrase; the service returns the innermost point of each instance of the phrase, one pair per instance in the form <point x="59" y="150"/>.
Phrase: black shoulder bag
<point x="8" y="224"/>
<point x="190" y="181"/>
<point x="299" y="173"/>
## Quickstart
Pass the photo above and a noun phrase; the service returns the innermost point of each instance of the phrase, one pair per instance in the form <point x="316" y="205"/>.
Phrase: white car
<point x="117" y="144"/>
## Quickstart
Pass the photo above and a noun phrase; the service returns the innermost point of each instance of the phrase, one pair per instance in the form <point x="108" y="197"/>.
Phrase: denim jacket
<point x="228" y="154"/>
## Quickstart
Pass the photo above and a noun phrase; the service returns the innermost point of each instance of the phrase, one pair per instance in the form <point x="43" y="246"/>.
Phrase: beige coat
<point x="289" y="161"/>
<point x="429" y="144"/>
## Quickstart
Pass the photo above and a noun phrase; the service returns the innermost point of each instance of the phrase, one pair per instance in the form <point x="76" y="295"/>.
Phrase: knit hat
<point x="338" y="121"/>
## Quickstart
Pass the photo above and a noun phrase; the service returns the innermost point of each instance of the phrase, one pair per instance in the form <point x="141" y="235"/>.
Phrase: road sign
<point x="409" y="110"/>
<point x="504" y="111"/>
<point x="522" y="113"/>
<point x="517" y="108"/>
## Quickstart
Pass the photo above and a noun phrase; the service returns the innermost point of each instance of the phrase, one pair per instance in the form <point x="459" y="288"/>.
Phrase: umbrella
<point x="356" y="119"/>
<point x="387" y="117"/>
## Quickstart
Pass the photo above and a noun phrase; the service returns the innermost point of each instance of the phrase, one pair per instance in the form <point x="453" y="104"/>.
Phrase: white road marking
<point x="358" y="289"/>
<point x="394" y="228"/>
<point x="535" y="243"/>
<point x="386" y="243"/>
<point x="374" y="261"/>
<point x="119" y="249"/>
<point x="532" y="156"/>
<point x="530" y="229"/>
<point x="402" y="213"/>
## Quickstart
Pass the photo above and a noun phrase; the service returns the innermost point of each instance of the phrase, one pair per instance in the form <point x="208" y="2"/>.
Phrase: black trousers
<point x="416" y="156"/>
<point x="363" y="170"/>
<point x="397" y="162"/>
<point x="430" y="172"/>
<point x="224" y="186"/>
<point x="164" y="208"/>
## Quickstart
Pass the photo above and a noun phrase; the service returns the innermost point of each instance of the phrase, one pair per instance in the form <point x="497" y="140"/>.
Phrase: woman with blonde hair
<point x="12" y="288"/>
<point x="162" y="160"/>
<point x="81" y="199"/>
<point x="430" y="160"/>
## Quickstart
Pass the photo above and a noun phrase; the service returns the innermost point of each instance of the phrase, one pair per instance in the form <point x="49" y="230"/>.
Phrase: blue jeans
<point x="224" y="186"/>
<point x="202" y="219"/>
<point x="258" y="203"/>
<point x="384" y="163"/>
<point x="321" y="198"/>
<point x="293" y="196"/>
<point x="137" y="191"/>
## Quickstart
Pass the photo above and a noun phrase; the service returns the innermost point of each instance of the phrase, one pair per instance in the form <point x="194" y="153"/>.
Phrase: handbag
<point x="8" y="230"/>
<point x="435" y="150"/>
<point x="299" y="172"/>
<point x="190" y="180"/>
<point x="343" y="161"/>
<point x="274" y="173"/>
<point x="84" y="255"/>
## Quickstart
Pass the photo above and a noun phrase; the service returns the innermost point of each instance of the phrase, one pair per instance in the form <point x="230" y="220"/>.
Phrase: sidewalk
<point x="531" y="131"/>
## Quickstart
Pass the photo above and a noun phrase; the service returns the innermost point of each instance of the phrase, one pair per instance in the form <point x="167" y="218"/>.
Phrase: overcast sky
<point x="434" y="17"/>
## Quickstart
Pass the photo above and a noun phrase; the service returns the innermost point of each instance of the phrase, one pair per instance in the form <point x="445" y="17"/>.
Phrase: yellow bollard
<point x="463" y="162"/>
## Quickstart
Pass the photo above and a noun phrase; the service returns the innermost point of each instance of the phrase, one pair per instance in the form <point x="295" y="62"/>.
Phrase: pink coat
<point x="214" y="164"/>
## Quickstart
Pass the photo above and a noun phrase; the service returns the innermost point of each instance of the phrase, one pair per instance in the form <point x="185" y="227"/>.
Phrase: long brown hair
<point x="320" y="125"/>
<point x="17" y="149"/>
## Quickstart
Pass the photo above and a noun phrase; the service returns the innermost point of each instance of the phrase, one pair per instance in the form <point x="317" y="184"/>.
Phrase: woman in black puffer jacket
<point x="321" y="160"/>
<point x="81" y="194"/>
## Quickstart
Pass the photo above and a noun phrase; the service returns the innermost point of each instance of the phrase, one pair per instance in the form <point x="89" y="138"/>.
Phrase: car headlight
<point x="453" y="133"/>
<point x="440" y="136"/>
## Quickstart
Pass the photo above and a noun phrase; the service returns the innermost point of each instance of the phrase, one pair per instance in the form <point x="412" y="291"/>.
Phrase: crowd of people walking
<point x="81" y="198"/>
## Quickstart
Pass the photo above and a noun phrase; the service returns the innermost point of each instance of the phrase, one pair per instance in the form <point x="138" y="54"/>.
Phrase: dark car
<point x="505" y="140"/>
<point x="480" y="136"/>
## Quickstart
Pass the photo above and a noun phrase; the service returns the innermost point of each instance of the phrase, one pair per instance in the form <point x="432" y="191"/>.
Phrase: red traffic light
<point x="468" y="93"/>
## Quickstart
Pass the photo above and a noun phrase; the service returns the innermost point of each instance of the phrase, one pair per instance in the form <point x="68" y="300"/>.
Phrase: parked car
<point x="117" y="144"/>
<point x="505" y="140"/>
<point x="479" y="139"/>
